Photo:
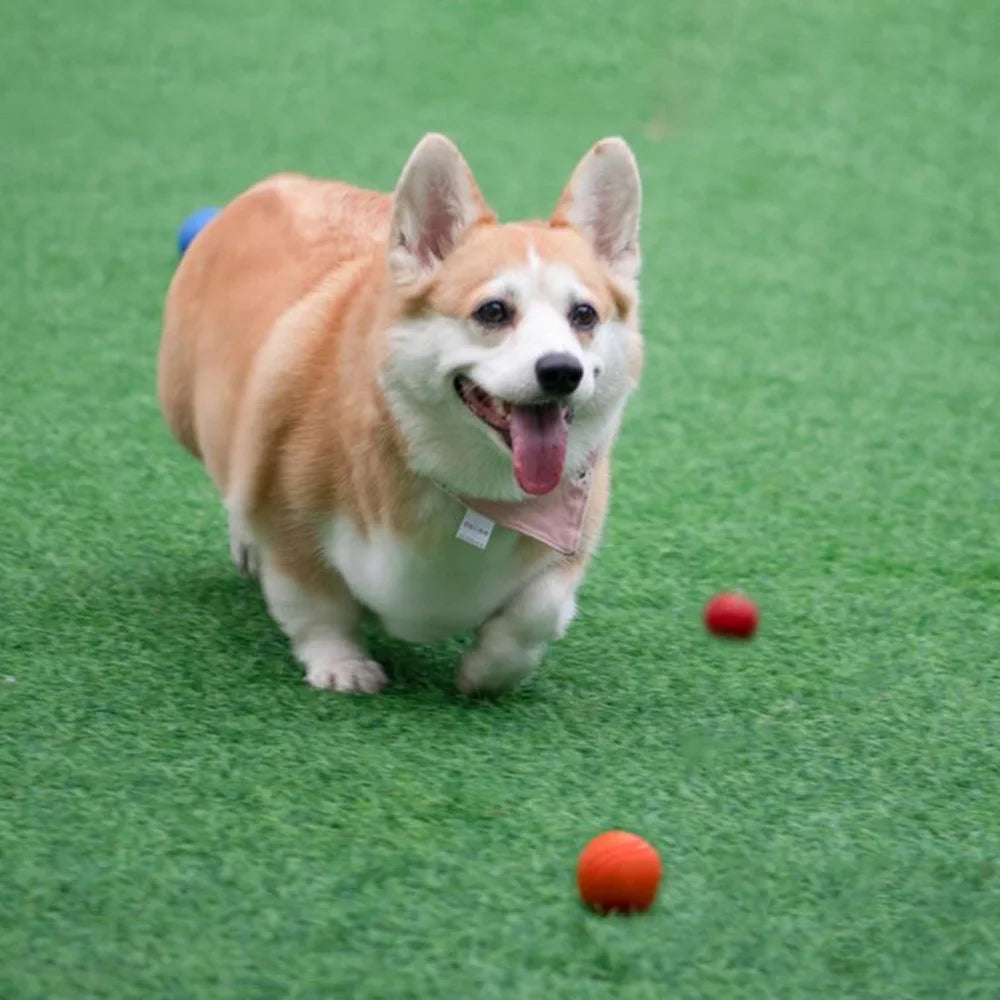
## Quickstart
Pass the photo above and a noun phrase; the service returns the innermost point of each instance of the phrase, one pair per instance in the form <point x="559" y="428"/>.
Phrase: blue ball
<point x="193" y="225"/>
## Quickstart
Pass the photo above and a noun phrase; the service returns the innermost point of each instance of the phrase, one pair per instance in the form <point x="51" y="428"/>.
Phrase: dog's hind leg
<point x="242" y="546"/>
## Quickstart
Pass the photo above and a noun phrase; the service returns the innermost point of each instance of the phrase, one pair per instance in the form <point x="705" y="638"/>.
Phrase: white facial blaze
<point x="534" y="261"/>
<point x="542" y="295"/>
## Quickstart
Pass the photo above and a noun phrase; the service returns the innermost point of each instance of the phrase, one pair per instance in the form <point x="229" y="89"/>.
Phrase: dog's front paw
<point x="479" y="677"/>
<point x="355" y="676"/>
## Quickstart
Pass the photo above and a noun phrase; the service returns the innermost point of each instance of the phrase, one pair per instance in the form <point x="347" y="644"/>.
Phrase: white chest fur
<point x="425" y="591"/>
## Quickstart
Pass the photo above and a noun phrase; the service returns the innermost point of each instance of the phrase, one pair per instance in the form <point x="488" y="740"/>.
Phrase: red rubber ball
<point x="731" y="615"/>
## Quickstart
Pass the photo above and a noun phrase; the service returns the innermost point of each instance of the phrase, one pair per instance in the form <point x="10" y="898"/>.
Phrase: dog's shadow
<point x="195" y="616"/>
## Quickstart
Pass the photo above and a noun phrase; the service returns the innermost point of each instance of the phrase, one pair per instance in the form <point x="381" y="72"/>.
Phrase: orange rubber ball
<point x="619" y="872"/>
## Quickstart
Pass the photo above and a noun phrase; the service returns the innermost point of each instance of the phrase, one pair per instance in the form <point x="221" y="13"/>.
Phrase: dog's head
<point x="515" y="346"/>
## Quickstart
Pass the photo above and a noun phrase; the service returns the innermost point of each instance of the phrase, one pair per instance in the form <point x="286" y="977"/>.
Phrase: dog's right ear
<point x="434" y="203"/>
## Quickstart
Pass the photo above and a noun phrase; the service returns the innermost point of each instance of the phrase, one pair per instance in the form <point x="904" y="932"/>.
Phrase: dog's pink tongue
<point x="538" y="435"/>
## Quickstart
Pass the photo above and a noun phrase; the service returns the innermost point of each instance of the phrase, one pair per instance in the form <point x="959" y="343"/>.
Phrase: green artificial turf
<point x="819" y="424"/>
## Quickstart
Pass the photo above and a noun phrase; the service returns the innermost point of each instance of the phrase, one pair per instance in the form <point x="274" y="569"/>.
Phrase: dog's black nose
<point x="558" y="374"/>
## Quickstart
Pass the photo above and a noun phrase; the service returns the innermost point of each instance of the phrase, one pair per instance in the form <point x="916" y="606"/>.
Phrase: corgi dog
<point x="407" y="407"/>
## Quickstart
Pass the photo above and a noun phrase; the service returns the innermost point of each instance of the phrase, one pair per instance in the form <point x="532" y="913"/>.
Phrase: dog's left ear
<point x="603" y="200"/>
<point x="435" y="202"/>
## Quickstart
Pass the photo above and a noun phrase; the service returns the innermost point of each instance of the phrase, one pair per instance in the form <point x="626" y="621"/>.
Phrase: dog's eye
<point x="583" y="316"/>
<point x="493" y="313"/>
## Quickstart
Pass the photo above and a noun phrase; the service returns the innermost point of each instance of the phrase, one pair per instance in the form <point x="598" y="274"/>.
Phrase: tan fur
<point x="304" y="256"/>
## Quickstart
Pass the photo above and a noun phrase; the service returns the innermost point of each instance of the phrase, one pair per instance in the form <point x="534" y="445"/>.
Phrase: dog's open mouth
<point x="489" y="409"/>
<point x="537" y="434"/>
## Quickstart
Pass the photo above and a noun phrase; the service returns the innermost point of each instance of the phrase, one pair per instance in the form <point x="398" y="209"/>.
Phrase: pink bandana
<point x="555" y="519"/>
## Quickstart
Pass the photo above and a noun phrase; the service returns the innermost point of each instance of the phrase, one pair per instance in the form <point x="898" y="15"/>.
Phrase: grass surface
<point x="182" y="817"/>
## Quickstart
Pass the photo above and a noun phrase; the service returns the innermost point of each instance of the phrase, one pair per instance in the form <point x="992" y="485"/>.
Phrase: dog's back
<point x="265" y="251"/>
